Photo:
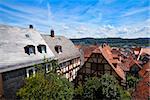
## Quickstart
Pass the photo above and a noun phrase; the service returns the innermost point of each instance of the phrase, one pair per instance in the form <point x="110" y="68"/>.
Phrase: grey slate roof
<point x="69" y="51"/>
<point x="12" y="43"/>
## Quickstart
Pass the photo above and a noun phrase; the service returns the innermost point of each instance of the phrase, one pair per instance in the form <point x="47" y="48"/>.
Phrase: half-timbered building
<point x="69" y="57"/>
<point x="101" y="61"/>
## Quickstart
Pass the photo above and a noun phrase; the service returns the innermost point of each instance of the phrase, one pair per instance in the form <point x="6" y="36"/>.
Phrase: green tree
<point x="88" y="90"/>
<point x="109" y="87"/>
<point x="103" y="88"/>
<point x="131" y="81"/>
<point x="46" y="86"/>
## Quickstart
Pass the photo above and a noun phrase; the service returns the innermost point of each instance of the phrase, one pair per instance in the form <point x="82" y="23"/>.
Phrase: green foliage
<point x="46" y="86"/>
<point x="78" y="92"/>
<point x="131" y="81"/>
<point x="109" y="87"/>
<point x="106" y="87"/>
<point x="91" y="87"/>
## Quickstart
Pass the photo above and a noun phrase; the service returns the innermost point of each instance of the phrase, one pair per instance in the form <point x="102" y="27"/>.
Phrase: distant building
<point x="142" y="53"/>
<point x="69" y="57"/>
<point x="131" y="66"/>
<point x="142" y="90"/>
<point x="20" y="49"/>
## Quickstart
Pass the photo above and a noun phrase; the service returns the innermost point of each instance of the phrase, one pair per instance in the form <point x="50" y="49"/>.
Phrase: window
<point x="30" y="72"/>
<point x="48" y="67"/>
<point x="41" y="48"/>
<point x="29" y="49"/>
<point x="58" y="49"/>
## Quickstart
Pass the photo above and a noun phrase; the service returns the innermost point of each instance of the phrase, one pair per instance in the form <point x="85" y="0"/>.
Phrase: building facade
<point x="69" y="57"/>
<point x="20" y="50"/>
<point x="99" y="61"/>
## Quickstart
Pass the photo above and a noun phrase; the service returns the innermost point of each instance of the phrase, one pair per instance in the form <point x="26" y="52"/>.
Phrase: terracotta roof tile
<point x="106" y="51"/>
<point x="109" y="56"/>
<point x="129" y="62"/>
<point x="146" y="68"/>
<point x="88" y="50"/>
<point x="142" y="91"/>
<point x="143" y="51"/>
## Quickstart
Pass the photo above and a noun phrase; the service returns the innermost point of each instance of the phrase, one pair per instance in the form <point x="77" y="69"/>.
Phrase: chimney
<point x="52" y="33"/>
<point x="30" y="26"/>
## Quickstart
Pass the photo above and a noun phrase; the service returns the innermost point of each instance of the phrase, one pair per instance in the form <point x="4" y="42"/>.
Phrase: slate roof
<point x="69" y="51"/>
<point x="12" y="43"/>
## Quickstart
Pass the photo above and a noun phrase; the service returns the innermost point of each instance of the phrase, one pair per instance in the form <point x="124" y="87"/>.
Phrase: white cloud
<point x="89" y="30"/>
<point x="136" y="11"/>
<point x="44" y="19"/>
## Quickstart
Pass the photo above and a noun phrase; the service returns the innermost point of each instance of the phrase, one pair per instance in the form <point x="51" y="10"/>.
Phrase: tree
<point x="109" y="87"/>
<point x="103" y="88"/>
<point x="89" y="89"/>
<point x="46" y="86"/>
<point x="131" y="81"/>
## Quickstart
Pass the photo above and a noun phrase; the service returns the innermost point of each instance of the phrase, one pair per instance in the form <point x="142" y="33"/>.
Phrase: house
<point x="20" y="49"/>
<point x="98" y="61"/>
<point x="142" y="54"/>
<point x="142" y="90"/>
<point x="131" y="66"/>
<point x="145" y="69"/>
<point x="69" y="57"/>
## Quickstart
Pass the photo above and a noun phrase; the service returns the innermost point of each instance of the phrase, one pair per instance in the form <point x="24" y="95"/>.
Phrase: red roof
<point x="88" y="50"/>
<point x="129" y="62"/>
<point x="146" y="68"/>
<point x="142" y="91"/>
<point x="106" y="52"/>
<point x="143" y="51"/>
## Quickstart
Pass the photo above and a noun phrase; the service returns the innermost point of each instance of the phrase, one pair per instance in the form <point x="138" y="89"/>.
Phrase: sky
<point x="80" y="18"/>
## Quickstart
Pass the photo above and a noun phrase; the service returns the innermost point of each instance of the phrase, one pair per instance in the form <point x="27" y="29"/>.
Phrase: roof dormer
<point x="29" y="49"/>
<point x="42" y="48"/>
<point x="58" y="49"/>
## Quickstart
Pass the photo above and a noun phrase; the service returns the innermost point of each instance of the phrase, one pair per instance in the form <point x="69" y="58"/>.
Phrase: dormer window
<point x="41" y="48"/>
<point x="29" y="49"/>
<point x="58" y="49"/>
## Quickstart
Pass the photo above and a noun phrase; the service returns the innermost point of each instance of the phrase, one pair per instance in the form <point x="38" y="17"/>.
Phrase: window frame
<point x="41" y="48"/>
<point x="47" y="66"/>
<point x="28" y="48"/>
<point x="58" y="49"/>
<point x="27" y="72"/>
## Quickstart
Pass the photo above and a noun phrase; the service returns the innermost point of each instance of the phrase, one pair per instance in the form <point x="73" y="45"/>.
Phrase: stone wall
<point x="12" y="81"/>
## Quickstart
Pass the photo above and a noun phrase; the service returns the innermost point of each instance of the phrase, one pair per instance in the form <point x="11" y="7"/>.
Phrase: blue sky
<point x="80" y="18"/>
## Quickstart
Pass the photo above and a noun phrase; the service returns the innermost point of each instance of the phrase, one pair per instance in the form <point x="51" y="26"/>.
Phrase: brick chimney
<point x="52" y="33"/>
<point x="30" y="26"/>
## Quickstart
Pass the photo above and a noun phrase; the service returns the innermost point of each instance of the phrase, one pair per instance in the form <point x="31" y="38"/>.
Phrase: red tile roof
<point x="142" y="91"/>
<point x="88" y="50"/>
<point x="129" y="62"/>
<point x="136" y="51"/>
<point x="106" y="52"/>
<point x="143" y="51"/>
<point x="146" y="68"/>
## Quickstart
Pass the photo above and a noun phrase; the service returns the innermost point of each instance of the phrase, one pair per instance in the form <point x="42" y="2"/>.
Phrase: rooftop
<point x="12" y="43"/>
